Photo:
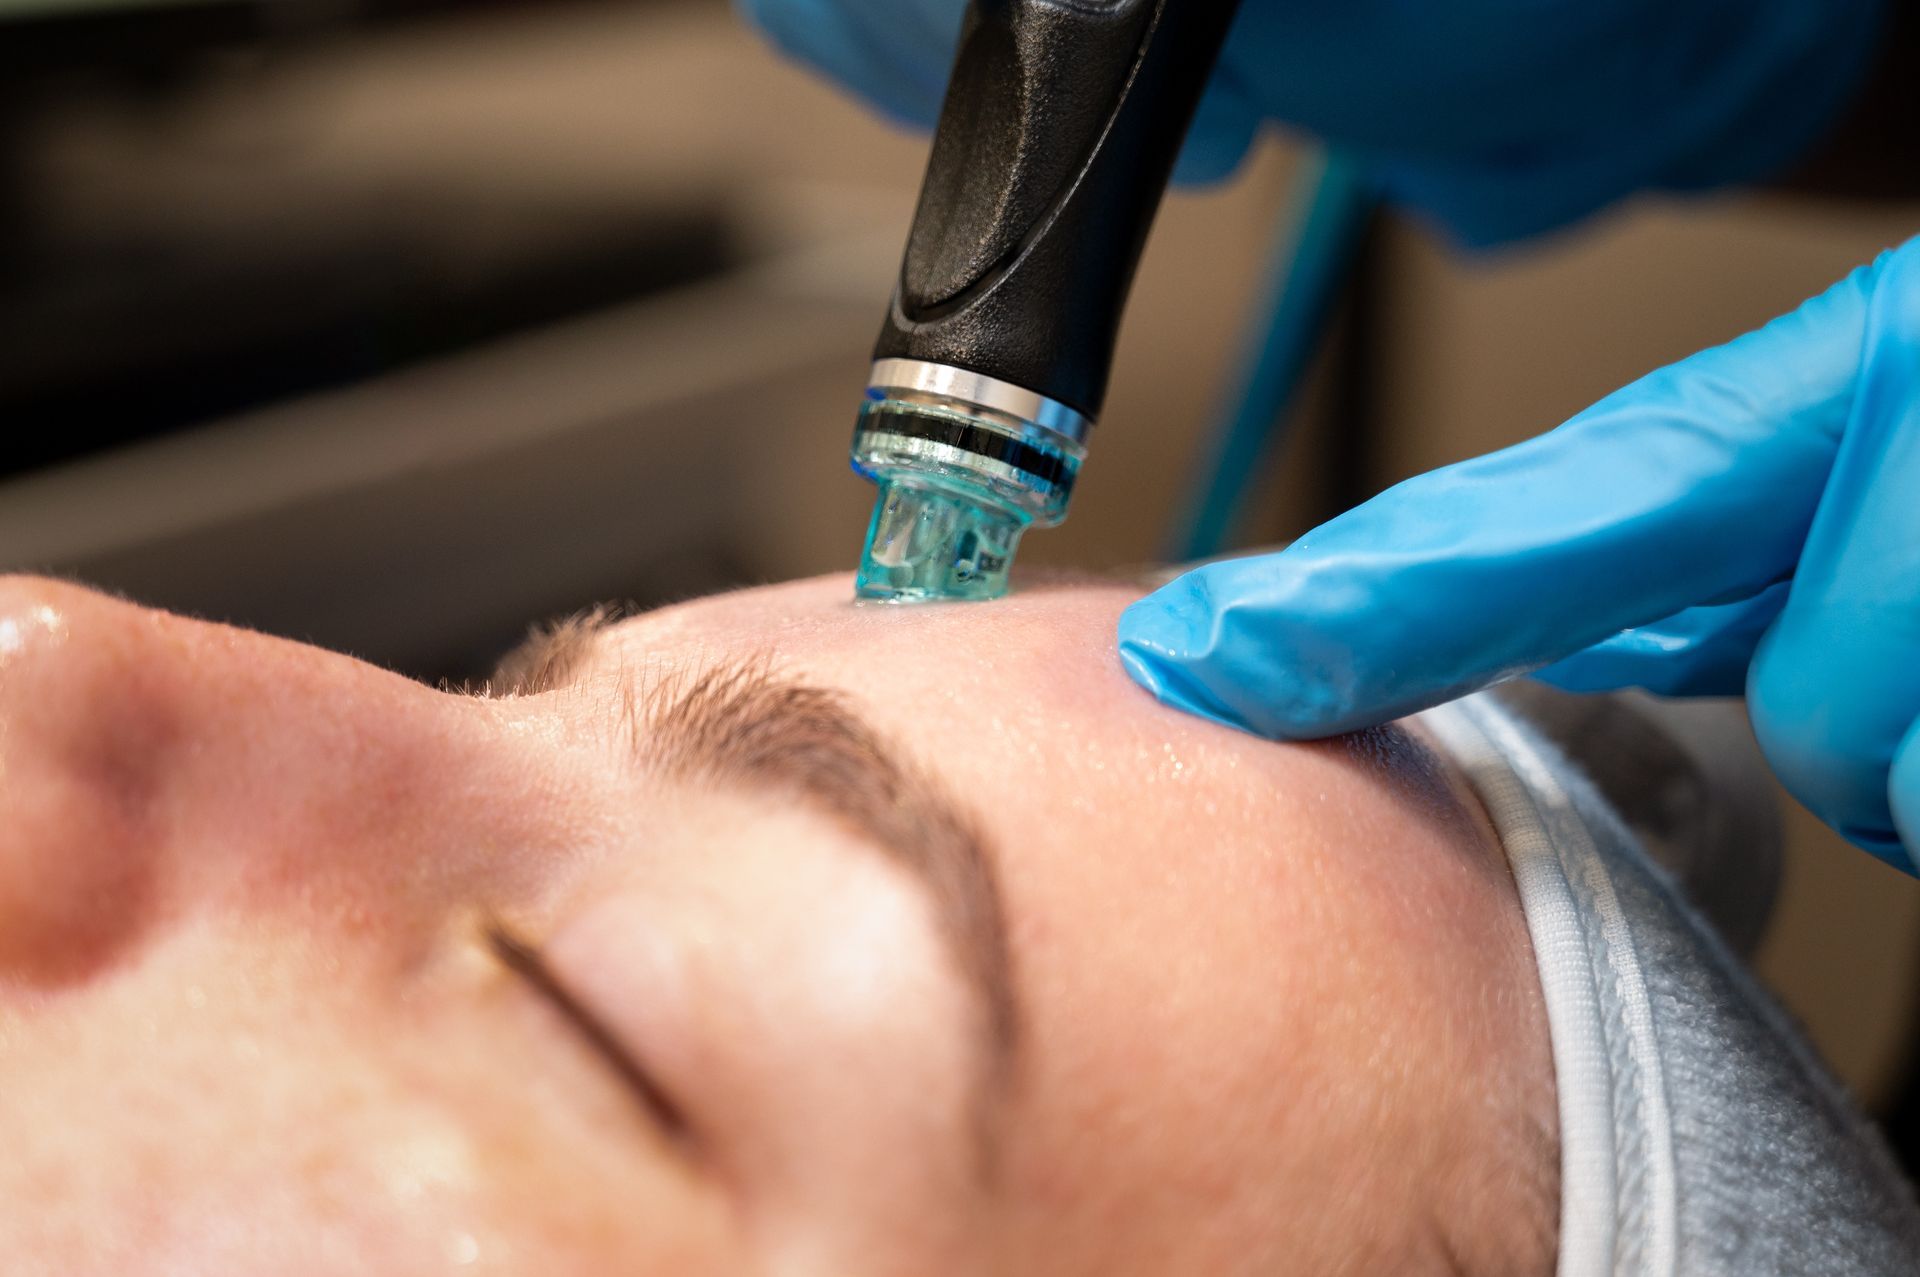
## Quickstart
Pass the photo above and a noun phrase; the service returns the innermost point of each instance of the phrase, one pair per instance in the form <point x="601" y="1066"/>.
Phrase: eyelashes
<point x="525" y="961"/>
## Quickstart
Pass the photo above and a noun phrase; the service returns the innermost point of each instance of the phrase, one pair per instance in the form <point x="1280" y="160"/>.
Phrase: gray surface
<point x="422" y="520"/>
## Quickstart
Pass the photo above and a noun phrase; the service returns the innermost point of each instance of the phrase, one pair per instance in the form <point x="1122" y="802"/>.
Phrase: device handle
<point x="1062" y="123"/>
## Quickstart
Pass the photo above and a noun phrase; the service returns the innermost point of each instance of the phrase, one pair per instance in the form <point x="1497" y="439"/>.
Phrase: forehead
<point x="1022" y="708"/>
<point x="964" y="689"/>
<point x="817" y="618"/>
<point x="1202" y="923"/>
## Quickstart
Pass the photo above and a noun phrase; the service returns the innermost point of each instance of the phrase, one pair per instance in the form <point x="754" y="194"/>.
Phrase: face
<point x="767" y="933"/>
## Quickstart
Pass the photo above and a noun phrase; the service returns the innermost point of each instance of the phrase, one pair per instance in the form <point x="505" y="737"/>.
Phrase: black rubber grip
<point x="1061" y="127"/>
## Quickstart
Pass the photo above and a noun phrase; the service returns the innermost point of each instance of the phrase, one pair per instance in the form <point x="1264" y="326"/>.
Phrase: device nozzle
<point x="965" y="465"/>
<point x="930" y="542"/>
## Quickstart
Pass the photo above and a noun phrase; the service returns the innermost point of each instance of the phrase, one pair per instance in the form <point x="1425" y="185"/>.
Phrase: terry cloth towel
<point x="1700" y="1135"/>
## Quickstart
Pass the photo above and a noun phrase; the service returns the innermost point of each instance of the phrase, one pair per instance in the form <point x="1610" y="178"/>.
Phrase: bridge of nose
<point x="152" y="766"/>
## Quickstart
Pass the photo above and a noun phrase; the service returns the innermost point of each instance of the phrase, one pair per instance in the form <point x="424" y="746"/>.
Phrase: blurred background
<point x="395" y="325"/>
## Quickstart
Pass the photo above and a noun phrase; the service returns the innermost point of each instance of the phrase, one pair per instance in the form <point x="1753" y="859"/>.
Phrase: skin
<point x="1277" y="1006"/>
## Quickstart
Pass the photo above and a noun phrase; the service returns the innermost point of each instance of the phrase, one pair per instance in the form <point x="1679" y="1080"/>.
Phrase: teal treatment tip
<point x="930" y="543"/>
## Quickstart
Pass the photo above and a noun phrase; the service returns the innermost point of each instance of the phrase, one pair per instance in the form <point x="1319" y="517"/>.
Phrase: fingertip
<point x="1168" y="682"/>
<point x="1166" y="625"/>
<point x="1168" y="644"/>
<point x="1211" y="644"/>
<point x="1161" y="638"/>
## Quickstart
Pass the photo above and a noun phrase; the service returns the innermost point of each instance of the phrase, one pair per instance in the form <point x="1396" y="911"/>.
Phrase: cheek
<point x="273" y="1120"/>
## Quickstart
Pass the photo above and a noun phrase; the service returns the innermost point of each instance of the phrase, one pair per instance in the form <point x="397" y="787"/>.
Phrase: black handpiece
<point x="1062" y="123"/>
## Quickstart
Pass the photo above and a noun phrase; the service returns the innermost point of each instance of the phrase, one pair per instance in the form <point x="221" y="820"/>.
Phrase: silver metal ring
<point x="978" y="388"/>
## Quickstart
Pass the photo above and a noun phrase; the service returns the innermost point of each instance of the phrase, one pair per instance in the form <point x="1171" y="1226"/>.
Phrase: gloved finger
<point x="897" y="58"/>
<point x="1223" y="130"/>
<point x="1703" y="651"/>
<point x="1693" y="486"/>
<point x="1904" y="794"/>
<point x="1836" y="683"/>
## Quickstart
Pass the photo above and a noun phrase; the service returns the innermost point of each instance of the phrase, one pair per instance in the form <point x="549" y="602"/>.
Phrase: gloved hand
<point x="1496" y="118"/>
<point x="1748" y="518"/>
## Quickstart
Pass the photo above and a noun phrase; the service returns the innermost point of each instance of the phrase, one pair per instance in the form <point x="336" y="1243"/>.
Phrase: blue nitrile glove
<point x="1747" y="519"/>
<point x="1495" y="118"/>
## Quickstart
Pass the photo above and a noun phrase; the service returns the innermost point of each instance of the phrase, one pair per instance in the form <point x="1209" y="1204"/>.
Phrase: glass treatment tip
<point x="931" y="543"/>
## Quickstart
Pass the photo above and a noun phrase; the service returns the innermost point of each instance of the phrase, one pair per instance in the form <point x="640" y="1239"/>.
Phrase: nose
<point x="151" y="766"/>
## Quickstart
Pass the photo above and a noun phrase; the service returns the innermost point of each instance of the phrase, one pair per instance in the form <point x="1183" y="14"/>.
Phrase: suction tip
<point x="931" y="543"/>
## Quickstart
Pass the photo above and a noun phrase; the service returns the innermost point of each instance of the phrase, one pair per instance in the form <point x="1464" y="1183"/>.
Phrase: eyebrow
<point x="741" y="725"/>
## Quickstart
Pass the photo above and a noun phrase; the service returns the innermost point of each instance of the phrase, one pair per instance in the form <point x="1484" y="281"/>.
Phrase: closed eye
<point x="526" y="962"/>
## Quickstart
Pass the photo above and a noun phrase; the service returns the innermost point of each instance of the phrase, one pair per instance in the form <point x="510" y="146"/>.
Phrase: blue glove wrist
<point x="1494" y="119"/>
<point x="1769" y="83"/>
